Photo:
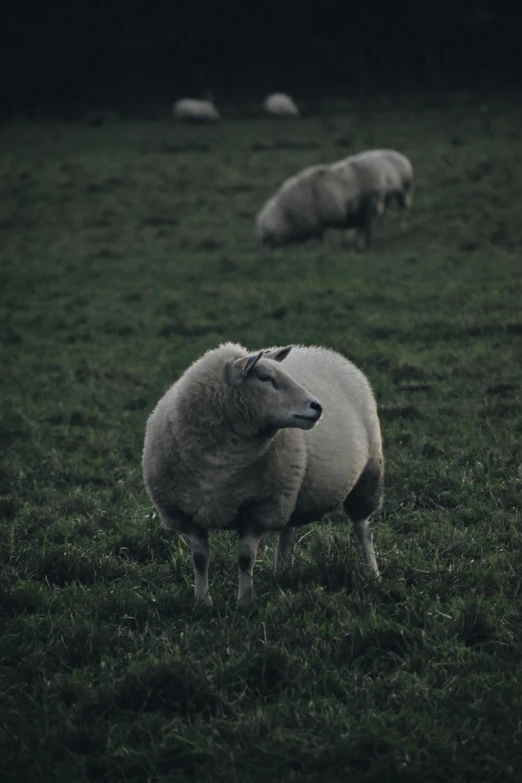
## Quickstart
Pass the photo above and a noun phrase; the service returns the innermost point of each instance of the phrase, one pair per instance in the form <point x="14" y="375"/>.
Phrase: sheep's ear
<point x="279" y="354"/>
<point x="241" y="367"/>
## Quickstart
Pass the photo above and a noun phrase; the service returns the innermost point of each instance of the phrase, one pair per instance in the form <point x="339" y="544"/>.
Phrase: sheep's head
<point x="266" y="239"/>
<point x="264" y="398"/>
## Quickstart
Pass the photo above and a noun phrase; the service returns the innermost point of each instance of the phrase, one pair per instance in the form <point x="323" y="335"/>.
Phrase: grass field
<point x="126" y="251"/>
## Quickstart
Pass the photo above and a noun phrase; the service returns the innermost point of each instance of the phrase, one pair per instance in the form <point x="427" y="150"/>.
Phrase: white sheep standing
<point x="233" y="445"/>
<point x="398" y="176"/>
<point x="280" y="105"/>
<point x="342" y="195"/>
<point x="194" y="110"/>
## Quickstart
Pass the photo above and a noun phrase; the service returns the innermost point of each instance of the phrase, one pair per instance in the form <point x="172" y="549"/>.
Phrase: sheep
<point x="233" y="444"/>
<point x="398" y="176"/>
<point x="280" y="105"/>
<point x="342" y="195"/>
<point x="193" y="110"/>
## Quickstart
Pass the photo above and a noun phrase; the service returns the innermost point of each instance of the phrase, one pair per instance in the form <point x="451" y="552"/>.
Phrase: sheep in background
<point x="194" y="110"/>
<point x="233" y="445"/>
<point x="280" y="105"/>
<point x="343" y="195"/>
<point x="398" y="176"/>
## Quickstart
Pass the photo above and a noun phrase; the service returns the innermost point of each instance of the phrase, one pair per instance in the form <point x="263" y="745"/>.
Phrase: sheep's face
<point x="266" y="239"/>
<point x="266" y="398"/>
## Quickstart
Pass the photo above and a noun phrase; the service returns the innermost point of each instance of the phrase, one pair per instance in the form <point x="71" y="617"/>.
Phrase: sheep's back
<point x="280" y="104"/>
<point x="192" y="108"/>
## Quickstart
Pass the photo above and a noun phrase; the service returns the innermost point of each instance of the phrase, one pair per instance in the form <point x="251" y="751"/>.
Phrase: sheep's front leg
<point x="200" y="556"/>
<point x="364" y="535"/>
<point x="174" y="519"/>
<point x="371" y="218"/>
<point x="325" y="243"/>
<point x="365" y="232"/>
<point x="285" y="550"/>
<point x="322" y="239"/>
<point x="403" y="202"/>
<point x="249" y="539"/>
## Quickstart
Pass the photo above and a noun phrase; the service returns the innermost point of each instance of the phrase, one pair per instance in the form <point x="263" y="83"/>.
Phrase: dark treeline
<point x="125" y="55"/>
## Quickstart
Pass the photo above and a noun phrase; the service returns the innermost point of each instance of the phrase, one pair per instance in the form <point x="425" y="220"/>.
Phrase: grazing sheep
<point x="193" y="110"/>
<point x="280" y="105"/>
<point x="398" y="176"/>
<point x="347" y="194"/>
<point x="232" y="445"/>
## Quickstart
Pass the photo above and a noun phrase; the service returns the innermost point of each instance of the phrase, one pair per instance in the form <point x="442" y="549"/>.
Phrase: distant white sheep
<point x="280" y="105"/>
<point x="233" y="445"/>
<point x="193" y="110"/>
<point x="343" y="195"/>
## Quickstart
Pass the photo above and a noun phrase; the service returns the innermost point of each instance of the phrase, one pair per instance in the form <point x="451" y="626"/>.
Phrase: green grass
<point x="126" y="251"/>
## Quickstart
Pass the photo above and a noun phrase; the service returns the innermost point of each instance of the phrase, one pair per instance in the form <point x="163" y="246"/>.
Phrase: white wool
<point x="280" y="105"/>
<point x="196" y="110"/>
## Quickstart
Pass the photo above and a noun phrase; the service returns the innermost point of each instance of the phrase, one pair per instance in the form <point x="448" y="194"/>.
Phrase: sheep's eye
<point x="266" y="378"/>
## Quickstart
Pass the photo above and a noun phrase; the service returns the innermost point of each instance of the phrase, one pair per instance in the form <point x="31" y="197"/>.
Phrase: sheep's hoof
<point x="203" y="600"/>
<point x="246" y="602"/>
<point x="283" y="573"/>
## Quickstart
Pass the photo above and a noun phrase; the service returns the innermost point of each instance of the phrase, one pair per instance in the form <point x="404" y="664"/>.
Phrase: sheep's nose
<point x="316" y="406"/>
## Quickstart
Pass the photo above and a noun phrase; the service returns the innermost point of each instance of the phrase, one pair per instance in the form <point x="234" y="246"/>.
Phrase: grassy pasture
<point x="126" y="250"/>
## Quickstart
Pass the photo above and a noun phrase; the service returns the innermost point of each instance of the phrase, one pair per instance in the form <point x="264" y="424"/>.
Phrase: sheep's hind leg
<point x="403" y="203"/>
<point x="364" y="535"/>
<point x="175" y="520"/>
<point x="370" y="219"/>
<point x="364" y="233"/>
<point x="322" y="237"/>
<point x="200" y="556"/>
<point x="246" y="557"/>
<point x="363" y="500"/>
<point x="285" y="550"/>
<point x="350" y="238"/>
